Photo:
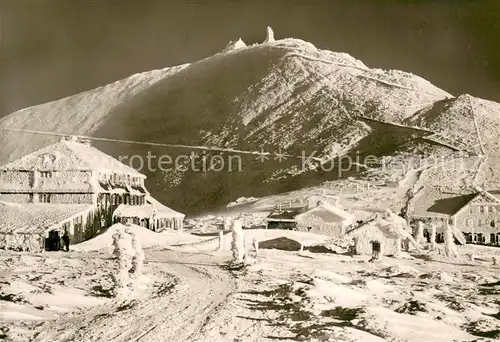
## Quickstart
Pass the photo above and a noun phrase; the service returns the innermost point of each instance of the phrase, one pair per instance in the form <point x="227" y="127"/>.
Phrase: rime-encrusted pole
<point x="397" y="247"/>
<point x="256" y="246"/>
<point x="245" y="250"/>
<point x="124" y="261"/>
<point x="419" y="237"/>
<point x="138" y="256"/>
<point x="116" y="243"/>
<point x="433" y="236"/>
<point x="450" y="249"/>
<point x="221" y="241"/>
<point x="237" y="245"/>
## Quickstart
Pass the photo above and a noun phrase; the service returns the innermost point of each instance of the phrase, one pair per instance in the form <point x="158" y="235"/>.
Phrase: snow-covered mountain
<point x="282" y="95"/>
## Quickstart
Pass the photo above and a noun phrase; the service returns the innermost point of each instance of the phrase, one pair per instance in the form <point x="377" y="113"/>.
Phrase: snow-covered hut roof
<point x="29" y="218"/>
<point x="146" y="210"/>
<point x="368" y="230"/>
<point x="390" y="226"/>
<point x="70" y="154"/>
<point x="328" y="213"/>
<point x="287" y="215"/>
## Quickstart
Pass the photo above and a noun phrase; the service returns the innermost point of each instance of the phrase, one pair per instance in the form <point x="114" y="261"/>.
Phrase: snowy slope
<point x="284" y="94"/>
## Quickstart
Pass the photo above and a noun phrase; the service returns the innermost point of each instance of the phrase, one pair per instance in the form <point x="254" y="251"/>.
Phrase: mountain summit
<point x="282" y="96"/>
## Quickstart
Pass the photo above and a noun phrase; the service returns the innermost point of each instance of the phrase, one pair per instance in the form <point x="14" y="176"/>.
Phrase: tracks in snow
<point x="201" y="290"/>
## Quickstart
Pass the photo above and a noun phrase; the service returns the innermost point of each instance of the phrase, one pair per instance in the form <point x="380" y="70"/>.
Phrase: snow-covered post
<point x="122" y="250"/>
<point x="419" y="237"/>
<point x="301" y="248"/>
<point x="221" y="240"/>
<point x="433" y="236"/>
<point x="256" y="246"/>
<point x="138" y="257"/>
<point x="237" y="245"/>
<point x="450" y="249"/>
<point x="245" y="250"/>
<point x="494" y="260"/>
<point x="116" y="244"/>
<point x="397" y="248"/>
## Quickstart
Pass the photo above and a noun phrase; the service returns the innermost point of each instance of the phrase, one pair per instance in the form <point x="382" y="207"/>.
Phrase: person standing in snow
<point x="65" y="239"/>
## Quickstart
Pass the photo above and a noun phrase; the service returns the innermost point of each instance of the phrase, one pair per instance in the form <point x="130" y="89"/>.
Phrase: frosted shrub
<point x="255" y="243"/>
<point x="237" y="245"/>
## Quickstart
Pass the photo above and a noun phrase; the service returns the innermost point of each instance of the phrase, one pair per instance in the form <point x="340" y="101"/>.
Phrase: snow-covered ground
<point x="148" y="238"/>
<point x="193" y="294"/>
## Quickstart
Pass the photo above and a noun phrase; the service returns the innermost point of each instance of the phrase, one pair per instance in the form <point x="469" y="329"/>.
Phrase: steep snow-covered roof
<point x="435" y="203"/>
<point x="36" y="218"/>
<point x="70" y="155"/>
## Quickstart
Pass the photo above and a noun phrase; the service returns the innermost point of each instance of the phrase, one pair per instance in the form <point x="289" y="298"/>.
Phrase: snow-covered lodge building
<point x="476" y="214"/>
<point x="72" y="186"/>
<point x="316" y="216"/>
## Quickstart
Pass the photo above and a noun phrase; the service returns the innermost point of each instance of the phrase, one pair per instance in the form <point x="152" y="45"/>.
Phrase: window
<point x="481" y="209"/>
<point x="471" y="210"/>
<point x="492" y="238"/>
<point x="46" y="174"/>
<point x="44" y="198"/>
<point x="128" y="179"/>
<point x="30" y="198"/>
<point x="114" y="177"/>
<point x="492" y="223"/>
<point x="490" y="209"/>
<point x="479" y="222"/>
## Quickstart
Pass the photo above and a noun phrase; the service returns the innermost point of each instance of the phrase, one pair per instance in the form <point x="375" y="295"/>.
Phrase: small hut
<point x="326" y="219"/>
<point x="382" y="235"/>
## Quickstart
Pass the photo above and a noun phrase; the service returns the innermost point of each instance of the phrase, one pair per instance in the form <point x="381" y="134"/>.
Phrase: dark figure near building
<point x="65" y="239"/>
<point x="309" y="229"/>
<point x="53" y="242"/>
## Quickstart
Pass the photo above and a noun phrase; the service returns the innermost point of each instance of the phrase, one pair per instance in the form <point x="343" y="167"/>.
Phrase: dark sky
<point x="51" y="49"/>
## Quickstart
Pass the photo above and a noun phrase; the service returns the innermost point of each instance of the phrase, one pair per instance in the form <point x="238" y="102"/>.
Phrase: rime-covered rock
<point x="269" y="35"/>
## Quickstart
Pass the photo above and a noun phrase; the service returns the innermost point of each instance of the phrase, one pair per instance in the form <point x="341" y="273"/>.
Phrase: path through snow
<point x="176" y="313"/>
